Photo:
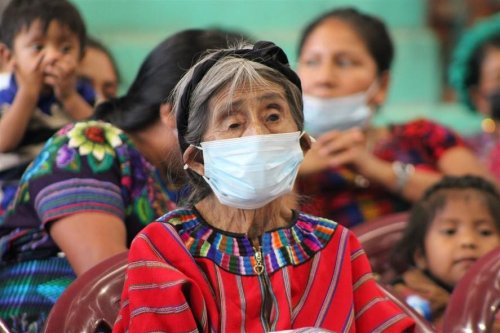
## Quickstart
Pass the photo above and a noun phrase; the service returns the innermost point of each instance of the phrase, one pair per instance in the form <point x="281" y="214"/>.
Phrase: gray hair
<point x="231" y="73"/>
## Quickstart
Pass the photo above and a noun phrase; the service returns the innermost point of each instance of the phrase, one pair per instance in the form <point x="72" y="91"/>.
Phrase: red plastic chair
<point x="421" y="324"/>
<point x="378" y="237"/>
<point x="91" y="303"/>
<point x="3" y="327"/>
<point x="475" y="301"/>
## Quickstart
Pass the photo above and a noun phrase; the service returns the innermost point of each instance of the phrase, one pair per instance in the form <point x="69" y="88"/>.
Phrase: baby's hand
<point x="30" y="78"/>
<point x="61" y="76"/>
<point x="416" y="280"/>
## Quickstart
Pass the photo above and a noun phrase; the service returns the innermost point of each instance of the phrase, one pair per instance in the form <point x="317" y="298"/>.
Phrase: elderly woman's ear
<point x="306" y="142"/>
<point x="193" y="159"/>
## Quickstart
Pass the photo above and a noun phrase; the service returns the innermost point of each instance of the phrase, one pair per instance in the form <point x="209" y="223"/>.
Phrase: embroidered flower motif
<point x="144" y="210"/>
<point x="65" y="156"/>
<point x="40" y="166"/>
<point x="94" y="138"/>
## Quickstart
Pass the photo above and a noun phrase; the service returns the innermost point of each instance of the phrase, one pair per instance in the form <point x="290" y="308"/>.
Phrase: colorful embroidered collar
<point x="235" y="253"/>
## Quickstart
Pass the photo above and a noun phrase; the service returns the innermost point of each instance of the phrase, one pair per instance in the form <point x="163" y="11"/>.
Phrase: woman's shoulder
<point x="317" y="221"/>
<point x="419" y="125"/>
<point x="97" y="132"/>
<point x="179" y="219"/>
<point x="172" y="225"/>
<point x="334" y="241"/>
<point x="87" y="138"/>
<point x="425" y="132"/>
<point x="93" y="143"/>
<point x="320" y="229"/>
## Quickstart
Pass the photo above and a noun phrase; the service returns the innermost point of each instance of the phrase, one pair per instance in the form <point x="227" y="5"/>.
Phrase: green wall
<point x="131" y="28"/>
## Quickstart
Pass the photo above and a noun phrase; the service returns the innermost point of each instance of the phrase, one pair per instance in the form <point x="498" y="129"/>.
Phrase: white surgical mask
<point x="251" y="171"/>
<point x="337" y="113"/>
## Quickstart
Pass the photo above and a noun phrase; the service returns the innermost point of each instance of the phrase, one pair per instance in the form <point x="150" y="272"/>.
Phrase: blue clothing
<point x="45" y="102"/>
<point x="45" y="121"/>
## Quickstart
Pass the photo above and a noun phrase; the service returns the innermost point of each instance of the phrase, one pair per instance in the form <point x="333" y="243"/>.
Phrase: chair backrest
<point x="421" y="324"/>
<point x="475" y="300"/>
<point x="91" y="303"/>
<point x="3" y="327"/>
<point x="378" y="237"/>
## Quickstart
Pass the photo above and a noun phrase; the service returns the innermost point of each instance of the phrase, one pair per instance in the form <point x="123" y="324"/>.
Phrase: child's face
<point x="461" y="232"/>
<point x="56" y="45"/>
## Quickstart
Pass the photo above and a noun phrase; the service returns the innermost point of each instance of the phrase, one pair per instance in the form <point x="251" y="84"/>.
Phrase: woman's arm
<point x="454" y="161"/>
<point x="461" y="160"/>
<point x="349" y="149"/>
<point x="87" y="238"/>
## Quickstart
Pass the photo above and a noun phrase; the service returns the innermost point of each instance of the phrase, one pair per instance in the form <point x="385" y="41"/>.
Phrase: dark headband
<point x="265" y="53"/>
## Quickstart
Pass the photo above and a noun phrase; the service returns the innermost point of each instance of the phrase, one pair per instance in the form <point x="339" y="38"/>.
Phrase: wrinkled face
<point x="461" y="232"/>
<point x="256" y="111"/>
<point x="97" y="68"/>
<point x="335" y="61"/>
<point x="57" y="44"/>
<point x="489" y="81"/>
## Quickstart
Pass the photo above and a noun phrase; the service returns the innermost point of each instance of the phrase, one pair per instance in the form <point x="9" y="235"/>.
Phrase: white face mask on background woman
<point x="337" y="113"/>
<point x="251" y="171"/>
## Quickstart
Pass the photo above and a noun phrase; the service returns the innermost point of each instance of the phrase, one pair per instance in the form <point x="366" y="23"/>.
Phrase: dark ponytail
<point x="158" y="76"/>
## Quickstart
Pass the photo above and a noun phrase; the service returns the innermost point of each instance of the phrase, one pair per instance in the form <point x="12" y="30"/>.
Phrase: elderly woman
<point x="240" y="258"/>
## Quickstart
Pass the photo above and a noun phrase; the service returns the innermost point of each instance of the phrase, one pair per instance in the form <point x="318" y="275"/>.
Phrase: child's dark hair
<point x="425" y="210"/>
<point x="158" y="76"/>
<point x="20" y="14"/>
<point x="371" y="30"/>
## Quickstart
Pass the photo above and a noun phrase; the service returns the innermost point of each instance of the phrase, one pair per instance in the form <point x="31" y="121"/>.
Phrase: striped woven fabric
<point x="182" y="277"/>
<point x="29" y="289"/>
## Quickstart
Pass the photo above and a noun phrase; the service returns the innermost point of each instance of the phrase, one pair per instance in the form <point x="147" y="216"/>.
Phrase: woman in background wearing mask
<point x="475" y="75"/>
<point x="356" y="172"/>
<point x="239" y="258"/>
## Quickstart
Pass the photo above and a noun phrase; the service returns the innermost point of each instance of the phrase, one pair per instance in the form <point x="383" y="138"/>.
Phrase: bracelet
<point x="403" y="173"/>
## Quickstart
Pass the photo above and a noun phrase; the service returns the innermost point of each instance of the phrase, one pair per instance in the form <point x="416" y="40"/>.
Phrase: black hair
<point x="21" y="14"/>
<point x="94" y="43"/>
<point x="476" y="59"/>
<point x="158" y="76"/>
<point x="370" y="28"/>
<point x="263" y="52"/>
<point x="425" y="210"/>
